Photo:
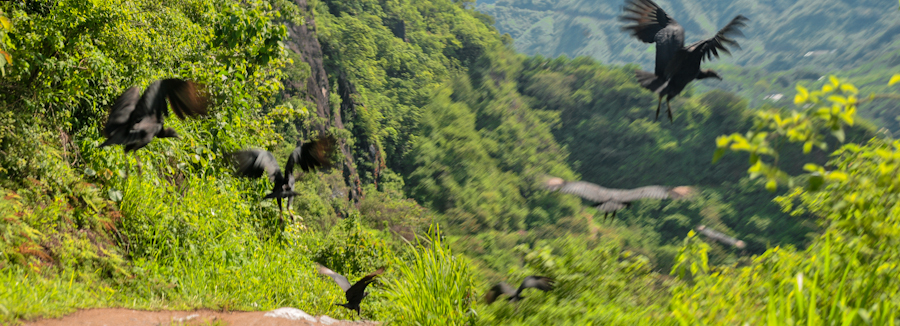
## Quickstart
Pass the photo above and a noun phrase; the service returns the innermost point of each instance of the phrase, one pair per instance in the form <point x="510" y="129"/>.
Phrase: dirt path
<point x="121" y="316"/>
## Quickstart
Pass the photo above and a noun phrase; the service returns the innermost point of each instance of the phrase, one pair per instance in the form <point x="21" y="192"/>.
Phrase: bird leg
<point x="280" y="210"/>
<point x="658" y="106"/>
<point x="137" y="157"/>
<point x="669" y="109"/>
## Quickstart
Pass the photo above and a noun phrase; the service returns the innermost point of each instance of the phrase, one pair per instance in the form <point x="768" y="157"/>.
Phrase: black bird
<point x="253" y="163"/>
<point x="612" y="200"/>
<point x="676" y="65"/>
<point x="354" y="293"/>
<point x="135" y="119"/>
<point x="721" y="237"/>
<point x="538" y="282"/>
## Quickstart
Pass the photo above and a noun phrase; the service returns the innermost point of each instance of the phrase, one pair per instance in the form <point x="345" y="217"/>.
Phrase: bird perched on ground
<point x="135" y="119"/>
<point x="538" y="282"/>
<point x="676" y="65"/>
<point x="612" y="200"/>
<point x="721" y="237"/>
<point x="354" y="293"/>
<point x="254" y="163"/>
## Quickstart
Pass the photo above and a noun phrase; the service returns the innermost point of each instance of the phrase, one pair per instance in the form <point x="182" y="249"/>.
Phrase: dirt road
<point x="128" y="317"/>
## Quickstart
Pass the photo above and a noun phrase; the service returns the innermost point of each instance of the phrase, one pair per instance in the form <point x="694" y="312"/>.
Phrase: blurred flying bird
<point x="253" y="163"/>
<point x="538" y="282"/>
<point x="612" y="200"/>
<point x="720" y="237"/>
<point x="135" y="119"/>
<point x="354" y="293"/>
<point x="676" y="65"/>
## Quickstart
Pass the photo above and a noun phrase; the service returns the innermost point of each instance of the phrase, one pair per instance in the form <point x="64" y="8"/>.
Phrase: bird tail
<point x="650" y="81"/>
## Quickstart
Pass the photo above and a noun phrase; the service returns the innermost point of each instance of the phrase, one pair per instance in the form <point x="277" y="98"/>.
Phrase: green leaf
<point x="810" y="167"/>
<point x="718" y="155"/>
<point x="5" y="23"/>
<point x="895" y="79"/>
<point x="839" y="99"/>
<point x="802" y="95"/>
<point x="849" y="88"/>
<point x="815" y="182"/>
<point x="722" y="141"/>
<point x="115" y="195"/>
<point x="807" y="147"/>
<point x="839" y="134"/>
<point x="771" y="185"/>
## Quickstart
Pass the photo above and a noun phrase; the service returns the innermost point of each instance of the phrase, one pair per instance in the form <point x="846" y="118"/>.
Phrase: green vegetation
<point x="446" y="133"/>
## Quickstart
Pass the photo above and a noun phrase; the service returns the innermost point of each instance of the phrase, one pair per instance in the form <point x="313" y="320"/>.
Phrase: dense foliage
<point x="440" y="122"/>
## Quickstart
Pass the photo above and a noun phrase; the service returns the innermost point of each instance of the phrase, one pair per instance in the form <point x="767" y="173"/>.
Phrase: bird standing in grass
<point x="676" y="65"/>
<point x="354" y="293"/>
<point x="254" y="163"/>
<point x="538" y="282"/>
<point x="135" y="119"/>
<point x="612" y="200"/>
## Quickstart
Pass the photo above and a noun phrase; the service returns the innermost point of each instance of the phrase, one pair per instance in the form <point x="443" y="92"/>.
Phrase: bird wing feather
<point x="542" y="283"/>
<point x="651" y="24"/>
<point x="497" y="290"/>
<point x="587" y="191"/>
<point x="722" y="40"/>
<point x="185" y="98"/>
<point x="720" y="237"/>
<point x="614" y="199"/>
<point x="310" y="155"/>
<point x="254" y="162"/>
<point x="121" y="111"/>
<point x="338" y="278"/>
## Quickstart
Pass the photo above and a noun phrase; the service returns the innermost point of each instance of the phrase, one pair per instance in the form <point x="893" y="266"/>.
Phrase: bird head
<point x="167" y="133"/>
<point x="682" y="192"/>
<point x="553" y="184"/>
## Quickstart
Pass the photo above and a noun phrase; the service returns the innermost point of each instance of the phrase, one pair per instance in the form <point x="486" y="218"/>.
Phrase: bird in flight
<point x="538" y="282"/>
<point x="720" y="237"/>
<point x="676" y="65"/>
<point x="135" y="118"/>
<point x="254" y="163"/>
<point x="611" y="200"/>
<point x="354" y="293"/>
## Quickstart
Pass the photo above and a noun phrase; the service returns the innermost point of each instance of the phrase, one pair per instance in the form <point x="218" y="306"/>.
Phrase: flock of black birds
<point x="136" y="118"/>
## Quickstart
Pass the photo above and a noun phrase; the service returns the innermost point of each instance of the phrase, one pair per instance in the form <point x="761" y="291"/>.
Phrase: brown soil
<point x="121" y="316"/>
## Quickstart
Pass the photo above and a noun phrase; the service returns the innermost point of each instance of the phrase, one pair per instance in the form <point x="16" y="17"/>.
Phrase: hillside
<point x="826" y="36"/>
<point x="444" y="135"/>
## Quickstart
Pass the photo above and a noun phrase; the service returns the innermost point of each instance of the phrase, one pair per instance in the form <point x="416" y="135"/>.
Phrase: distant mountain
<point x="822" y="35"/>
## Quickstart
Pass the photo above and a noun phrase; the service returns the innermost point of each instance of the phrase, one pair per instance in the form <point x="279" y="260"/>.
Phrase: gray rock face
<point x="325" y="320"/>
<point x="290" y="314"/>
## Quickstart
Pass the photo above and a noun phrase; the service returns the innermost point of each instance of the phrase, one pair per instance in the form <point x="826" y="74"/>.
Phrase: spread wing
<point x="311" y="155"/>
<point x="538" y="282"/>
<point x="648" y="192"/>
<point x="497" y="290"/>
<point x="600" y="194"/>
<point x="358" y="291"/>
<point x="724" y="38"/>
<point x="610" y="206"/>
<point x="720" y="237"/>
<point x="338" y="278"/>
<point x="184" y="96"/>
<point x="121" y="111"/>
<point x="253" y="163"/>
<point x="651" y="24"/>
